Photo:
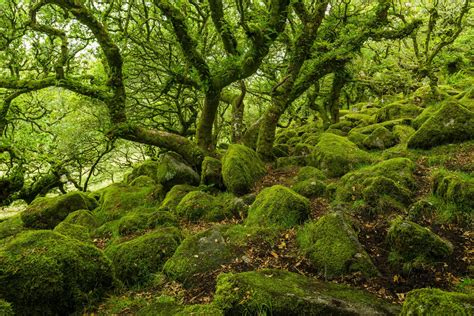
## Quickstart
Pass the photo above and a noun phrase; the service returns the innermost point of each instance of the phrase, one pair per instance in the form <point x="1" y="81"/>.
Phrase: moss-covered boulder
<point x="200" y="253"/>
<point x="11" y="226"/>
<point x="453" y="123"/>
<point x="309" y="173"/>
<point x="397" y="110"/>
<point x="135" y="260"/>
<point x="437" y="302"/>
<point x="132" y="223"/>
<point x="379" y="188"/>
<point x="162" y="218"/>
<point x="336" y="155"/>
<point x="413" y="246"/>
<point x="75" y="231"/>
<point x="46" y="273"/>
<point x="241" y="168"/>
<point x="310" y="188"/>
<point x="278" y="206"/>
<point x="6" y="308"/>
<point x="211" y="173"/>
<point x="331" y="245"/>
<point x="172" y="170"/>
<point x="283" y="162"/>
<point x="143" y="181"/>
<point x="148" y="168"/>
<point x="83" y="218"/>
<point x="119" y="199"/>
<point x="278" y="292"/>
<point x="46" y="213"/>
<point x="380" y="138"/>
<point x="457" y="188"/>
<point x="197" y="205"/>
<point x="175" y="195"/>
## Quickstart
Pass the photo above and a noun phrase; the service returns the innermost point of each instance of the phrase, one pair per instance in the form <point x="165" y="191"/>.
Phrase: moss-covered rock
<point x="172" y="170"/>
<point x="199" y="253"/>
<point x="162" y="218"/>
<point x="413" y="246"/>
<point x="132" y="223"/>
<point x="6" y="308"/>
<point x="46" y="213"/>
<point x="75" y="231"/>
<point x="310" y="188"/>
<point x="83" y="218"/>
<point x="241" y="168"/>
<point x="277" y="292"/>
<point x="283" y="162"/>
<point x="11" y="226"/>
<point x="378" y="188"/>
<point x="380" y="138"/>
<point x="397" y="110"/>
<point x="336" y="155"/>
<point x="278" y="206"/>
<point x="119" y="199"/>
<point x="135" y="260"/>
<point x="403" y="133"/>
<point x="142" y="181"/>
<point x="175" y="195"/>
<point x="309" y="173"/>
<point x="211" y="173"/>
<point x="453" y="123"/>
<point x="455" y="187"/>
<point x="331" y="245"/>
<point x="437" y="302"/>
<point x="148" y="168"/>
<point x="46" y="273"/>
<point x="197" y="205"/>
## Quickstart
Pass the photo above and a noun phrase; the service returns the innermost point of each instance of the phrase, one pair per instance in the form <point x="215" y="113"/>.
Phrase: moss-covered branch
<point x="223" y="27"/>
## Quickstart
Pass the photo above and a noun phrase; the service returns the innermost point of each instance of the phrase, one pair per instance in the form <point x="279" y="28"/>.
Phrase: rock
<point x="380" y="138"/>
<point x="137" y="259"/>
<point x="291" y="161"/>
<point x="397" y="110"/>
<point x="279" y="292"/>
<point x="241" y="168"/>
<point x="197" y="205"/>
<point x="437" y="302"/>
<point x="143" y="181"/>
<point x="379" y="188"/>
<point x="331" y="245"/>
<point x="83" y="218"/>
<point x="278" y="206"/>
<point x="211" y="173"/>
<point x="453" y="123"/>
<point x="199" y="253"/>
<point x="46" y="213"/>
<point x="148" y="168"/>
<point x="132" y="223"/>
<point x="172" y="171"/>
<point x="175" y="195"/>
<point x="11" y="227"/>
<point x="456" y="188"/>
<point x="162" y="218"/>
<point x="75" y="231"/>
<point x="310" y="188"/>
<point x="336" y="155"/>
<point x="46" y="273"/>
<point x="413" y="246"/>
<point x="309" y="173"/>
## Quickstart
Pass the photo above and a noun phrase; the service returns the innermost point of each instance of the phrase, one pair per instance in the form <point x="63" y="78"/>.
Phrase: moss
<point x="162" y="218"/>
<point x="421" y="210"/>
<point x="75" y="231"/>
<point x="211" y="173"/>
<point x="148" y="168"/>
<point x="380" y="138"/>
<point x="359" y="119"/>
<point x="403" y="133"/>
<point x="137" y="259"/>
<point x="424" y="116"/>
<point x="309" y="173"/>
<point x="171" y="171"/>
<point x="195" y="205"/>
<point x="241" y="168"/>
<point x="6" y="308"/>
<point x="397" y="110"/>
<point x="437" y="302"/>
<point x="46" y="273"/>
<point x="336" y="155"/>
<point x="302" y="149"/>
<point x="142" y="181"/>
<point x="281" y="150"/>
<point x="82" y="217"/>
<point x="385" y="184"/>
<point x="132" y="223"/>
<point x="332" y="247"/>
<point x="278" y="292"/>
<point x="413" y="246"/>
<point x="291" y="161"/>
<point x="455" y="187"/>
<point x="278" y="206"/>
<point x="201" y="310"/>
<point x="241" y="235"/>
<point x="453" y="123"/>
<point x="118" y="200"/>
<point x="310" y="188"/>
<point x="46" y="213"/>
<point x="140" y="305"/>
<point x="11" y="226"/>
<point x="175" y="195"/>
<point x="199" y="253"/>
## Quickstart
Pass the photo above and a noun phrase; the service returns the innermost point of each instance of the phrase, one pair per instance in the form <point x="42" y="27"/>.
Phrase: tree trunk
<point x="206" y="121"/>
<point x="266" y="135"/>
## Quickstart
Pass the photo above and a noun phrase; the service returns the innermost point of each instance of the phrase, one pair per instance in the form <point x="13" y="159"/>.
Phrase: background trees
<point x="77" y="78"/>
